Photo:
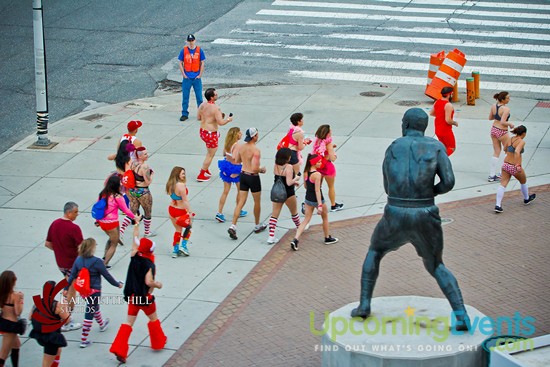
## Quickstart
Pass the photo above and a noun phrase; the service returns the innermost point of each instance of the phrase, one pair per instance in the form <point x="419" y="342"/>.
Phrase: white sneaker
<point x="272" y="240"/>
<point x="85" y="344"/>
<point x="70" y="326"/>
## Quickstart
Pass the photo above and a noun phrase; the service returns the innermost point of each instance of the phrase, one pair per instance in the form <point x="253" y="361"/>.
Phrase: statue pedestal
<point x="407" y="331"/>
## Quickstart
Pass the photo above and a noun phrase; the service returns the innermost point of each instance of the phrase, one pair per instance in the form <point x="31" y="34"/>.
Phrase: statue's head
<point x="415" y="119"/>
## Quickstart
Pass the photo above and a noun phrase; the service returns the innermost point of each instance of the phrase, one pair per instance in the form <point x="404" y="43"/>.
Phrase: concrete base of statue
<point x="406" y="331"/>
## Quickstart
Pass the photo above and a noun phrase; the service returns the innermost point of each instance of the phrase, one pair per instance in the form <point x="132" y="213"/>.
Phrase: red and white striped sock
<point x="125" y="223"/>
<point x="86" y="326"/>
<point x="99" y="318"/>
<point x="55" y="362"/>
<point x="147" y="226"/>
<point x="272" y="225"/>
<point x="296" y="220"/>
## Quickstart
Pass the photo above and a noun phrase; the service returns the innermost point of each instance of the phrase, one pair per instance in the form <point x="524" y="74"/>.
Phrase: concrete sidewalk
<point x="34" y="185"/>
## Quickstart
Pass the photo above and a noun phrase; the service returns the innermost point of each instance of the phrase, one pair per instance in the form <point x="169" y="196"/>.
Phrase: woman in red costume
<point x="443" y="111"/>
<point x="179" y="210"/>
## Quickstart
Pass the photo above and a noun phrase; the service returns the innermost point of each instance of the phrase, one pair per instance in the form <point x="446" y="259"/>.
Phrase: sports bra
<point x="497" y="116"/>
<point x="174" y="196"/>
<point x="511" y="148"/>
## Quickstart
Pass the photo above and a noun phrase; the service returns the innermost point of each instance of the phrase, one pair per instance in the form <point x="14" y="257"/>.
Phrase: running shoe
<point x="183" y="118"/>
<point x="498" y="209"/>
<point x="330" y="240"/>
<point x="202" y="177"/>
<point x="294" y="244"/>
<point x="336" y="207"/>
<point x="183" y="248"/>
<point x="85" y="344"/>
<point x="260" y="228"/>
<point x="207" y="173"/>
<point x="150" y="234"/>
<point x="531" y="198"/>
<point x="243" y="214"/>
<point x="232" y="233"/>
<point x="105" y="324"/>
<point x="220" y="218"/>
<point x="176" y="251"/>
<point x="272" y="240"/>
<point x="70" y="326"/>
<point x="493" y="178"/>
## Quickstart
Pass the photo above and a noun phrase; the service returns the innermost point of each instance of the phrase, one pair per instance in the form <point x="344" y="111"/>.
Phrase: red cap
<point x="134" y="125"/>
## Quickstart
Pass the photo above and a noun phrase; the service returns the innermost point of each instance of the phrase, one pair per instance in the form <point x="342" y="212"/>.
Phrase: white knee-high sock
<point x="493" y="166"/>
<point x="500" y="194"/>
<point x="525" y="191"/>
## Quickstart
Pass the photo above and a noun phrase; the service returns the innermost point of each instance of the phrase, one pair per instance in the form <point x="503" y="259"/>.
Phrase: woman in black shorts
<point x="49" y="335"/>
<point x="314" y="200"/>
<point x="283" y="171"/>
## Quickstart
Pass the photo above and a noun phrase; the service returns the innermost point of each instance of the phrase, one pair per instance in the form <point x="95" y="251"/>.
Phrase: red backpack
<point x="128" y="179"/>
<point x="82" y="282"/>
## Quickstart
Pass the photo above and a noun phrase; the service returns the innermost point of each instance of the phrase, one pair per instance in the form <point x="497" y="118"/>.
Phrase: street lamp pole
<point x="42" y="116"/>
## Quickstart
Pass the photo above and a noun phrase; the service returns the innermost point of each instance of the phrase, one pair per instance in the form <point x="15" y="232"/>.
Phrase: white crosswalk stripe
<point x="390" y="41"/>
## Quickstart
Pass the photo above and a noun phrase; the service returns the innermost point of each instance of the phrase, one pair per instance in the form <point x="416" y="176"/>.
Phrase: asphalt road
<point x="102" y="50"/>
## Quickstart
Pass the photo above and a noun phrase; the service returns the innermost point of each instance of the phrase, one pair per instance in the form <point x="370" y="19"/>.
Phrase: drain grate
<point x="372" y="94"/>
<point x="93" y="117"/>
<point x="543" y="104"/>
<point x="407" y="103"/>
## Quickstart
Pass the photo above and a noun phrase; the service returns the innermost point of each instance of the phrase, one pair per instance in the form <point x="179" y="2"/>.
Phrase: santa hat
<point x="146" y="246"/>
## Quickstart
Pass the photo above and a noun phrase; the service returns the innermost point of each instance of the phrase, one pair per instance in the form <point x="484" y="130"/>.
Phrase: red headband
<point x="313" y="161"/>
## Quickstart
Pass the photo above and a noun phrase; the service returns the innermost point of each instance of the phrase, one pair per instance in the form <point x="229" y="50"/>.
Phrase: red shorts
<point x="176" y="212"/>
<point x="448" y="139"/>
<point x="210" y="138"/>
<point x="133" y="310"/>
<point x="107" y="226"/>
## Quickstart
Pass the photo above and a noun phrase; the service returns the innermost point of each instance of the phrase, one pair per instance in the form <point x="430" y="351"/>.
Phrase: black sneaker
<point x="330" y="240"/>
<point x="294" y="244"/>
<point x="336" y="207"/>
<point x="183" y="118"/>
<point x="498" y="209"/>
<point x="232" y="233"/>
<point x="531" y="198"/>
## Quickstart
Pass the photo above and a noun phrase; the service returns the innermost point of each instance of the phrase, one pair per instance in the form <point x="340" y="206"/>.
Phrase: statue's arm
<point x="445" y="173"/>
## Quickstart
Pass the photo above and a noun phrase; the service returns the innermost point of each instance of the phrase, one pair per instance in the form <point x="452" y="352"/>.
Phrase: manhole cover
<point x="372" y="94"/>
<point x="93" y="117"/>
<point x="407" y="103"/>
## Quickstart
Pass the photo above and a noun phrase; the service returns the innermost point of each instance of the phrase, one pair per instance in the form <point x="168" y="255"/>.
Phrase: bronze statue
<point x="410" y="166"/>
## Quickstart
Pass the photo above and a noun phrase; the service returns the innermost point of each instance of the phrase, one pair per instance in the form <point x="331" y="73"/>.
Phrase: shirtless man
<point x="249" y="155"/>
<point x="211" y="118"/>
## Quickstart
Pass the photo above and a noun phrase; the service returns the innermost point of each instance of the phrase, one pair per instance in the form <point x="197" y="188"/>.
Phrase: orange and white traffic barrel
<point x="448" y="73"/>
<point x="435" y="62"/>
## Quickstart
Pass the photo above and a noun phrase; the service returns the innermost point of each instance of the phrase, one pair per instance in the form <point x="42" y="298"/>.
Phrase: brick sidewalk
<point x="501" y="262"/>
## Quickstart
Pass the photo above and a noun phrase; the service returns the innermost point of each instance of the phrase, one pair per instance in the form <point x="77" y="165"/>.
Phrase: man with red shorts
<point x="63" y="238"/>
<point x="443" y="111"/>
<point x="140" y="283"/>
<point x="211" y="118"/>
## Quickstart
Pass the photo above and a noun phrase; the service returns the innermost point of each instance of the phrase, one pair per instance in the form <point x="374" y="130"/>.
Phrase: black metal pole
<point x="41" y="78"/>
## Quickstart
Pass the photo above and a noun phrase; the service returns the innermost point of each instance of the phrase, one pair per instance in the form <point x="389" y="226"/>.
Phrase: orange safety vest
<point x="192" y="62"/>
